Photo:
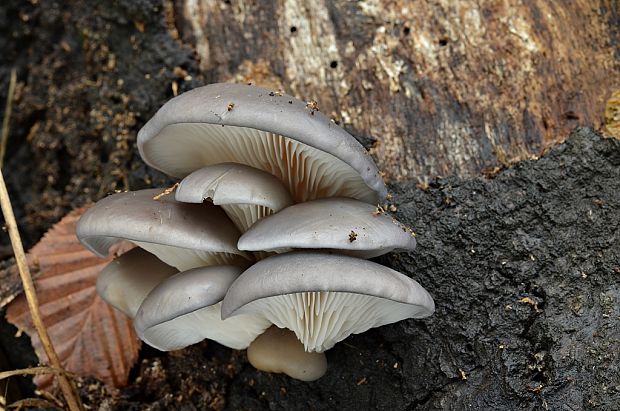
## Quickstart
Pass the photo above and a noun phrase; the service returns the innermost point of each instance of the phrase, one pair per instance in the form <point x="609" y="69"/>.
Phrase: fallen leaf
<point x="91" y="338"/>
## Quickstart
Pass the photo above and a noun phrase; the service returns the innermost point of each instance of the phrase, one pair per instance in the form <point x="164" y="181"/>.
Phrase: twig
<point x="35" y="371"/>
<point x="166" y="192"/>
<point x="7" y="116"/>
<point x="50" y="397"/>
<point x="32" y="403"/>
<point x="68" y="388"/>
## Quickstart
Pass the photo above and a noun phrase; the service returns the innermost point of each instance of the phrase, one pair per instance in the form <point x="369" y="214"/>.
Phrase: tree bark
<point x="441" y="87"/>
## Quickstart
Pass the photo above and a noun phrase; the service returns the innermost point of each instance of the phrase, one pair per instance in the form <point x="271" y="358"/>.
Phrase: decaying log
<point x="443" y="87"/>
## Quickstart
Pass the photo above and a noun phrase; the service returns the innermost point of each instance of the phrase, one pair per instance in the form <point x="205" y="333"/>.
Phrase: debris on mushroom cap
<point x="180" y="234"/>
<point x="345" y="225"/>
<point x="311" y="155"/>
<point x="126" y="281"/>
<point x="324" y="298"/>
<point x="185" y="309"/>
<point x="278" y="350"/>
<point x="245" y="193"/>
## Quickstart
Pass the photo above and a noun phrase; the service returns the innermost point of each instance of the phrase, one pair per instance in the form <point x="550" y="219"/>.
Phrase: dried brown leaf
<point x="91" y="337"/>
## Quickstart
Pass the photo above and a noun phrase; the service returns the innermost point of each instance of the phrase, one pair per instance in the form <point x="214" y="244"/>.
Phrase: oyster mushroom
<point x="127" y="280"/>
<point x="185" y="309"/>
<point x="181" y="235"/>
<point x="254" y="153"/>
<point x="274" y="132"/>
<point x="343" y="225"/>
<point x="278" y="350"/>
<point x="324" y="298"/>
<point x="246" y="194"/>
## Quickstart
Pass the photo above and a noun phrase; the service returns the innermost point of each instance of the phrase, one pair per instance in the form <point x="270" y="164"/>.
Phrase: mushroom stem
<point x="278" y="350"/>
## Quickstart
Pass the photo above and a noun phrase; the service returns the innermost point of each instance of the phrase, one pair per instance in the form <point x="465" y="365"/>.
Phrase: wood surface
<point x="441" y="87"/>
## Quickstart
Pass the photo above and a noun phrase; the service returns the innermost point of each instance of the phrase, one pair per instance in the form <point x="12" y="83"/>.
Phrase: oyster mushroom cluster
<point x="264" y="244"/>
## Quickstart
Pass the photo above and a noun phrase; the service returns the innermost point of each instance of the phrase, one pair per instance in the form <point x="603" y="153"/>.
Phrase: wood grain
<point x="440" y="87"/>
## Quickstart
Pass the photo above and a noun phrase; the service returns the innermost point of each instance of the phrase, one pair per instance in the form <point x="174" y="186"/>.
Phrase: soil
<point x="524" y="267"/>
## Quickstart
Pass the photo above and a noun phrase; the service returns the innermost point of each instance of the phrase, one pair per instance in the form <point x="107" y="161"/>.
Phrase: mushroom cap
<point x="246" y="194"/>
<point x="233" y="183"/>
<point x="324" y="298"/>
<point x="180" y="234"/>
<point x="278" y="350"/>
<point x="344" y="224"/>
<point x="185" y="309"/>
<point x="263" y="129"/>
<point x="126" y="281"/>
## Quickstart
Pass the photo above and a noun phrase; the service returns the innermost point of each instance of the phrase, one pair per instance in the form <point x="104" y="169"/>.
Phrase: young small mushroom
<point x="180" y="234"/>
<point x="127" y="280"/>
<point x="185" y="309"/>
<point x="311" y="155"/>
<point x="278" y="350"/>
<point x="245" y="193"/>
<point x="344" y="225"/>
<point x="324" y="298"/>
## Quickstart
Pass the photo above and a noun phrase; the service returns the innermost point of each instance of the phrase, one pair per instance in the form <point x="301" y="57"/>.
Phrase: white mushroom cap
<point x="278" y="350"/>
<point x="324" y="298"/>
<point x="245" y="193"/>
<point x="181" y="235"/>
<point x="344" y="224"/>
<point x="185" y="309"/>
<point x="310" y="154"/>
<point x="126" y="281"/>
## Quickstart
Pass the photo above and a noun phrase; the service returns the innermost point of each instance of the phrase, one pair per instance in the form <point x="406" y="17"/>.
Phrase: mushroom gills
<point x="320" y="319"/>
<point x="323" y="298"/>
<point x="245" y="215"/>
<point x="308" y="173"/>
<point x="184" y="258"/>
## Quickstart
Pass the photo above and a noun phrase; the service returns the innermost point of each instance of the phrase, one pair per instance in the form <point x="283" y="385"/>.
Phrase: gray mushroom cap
<point x="184" y="293"/>
<point x="245" y="193"/>
<point x="232" y="183"/>
<point x="185" y="309"/>
<point x="176" y="139"/>
<point x="347" y="225"/>
<point x="180" y="234"/>
<point x="127" y="280"/>
<point x="324" y="298"/>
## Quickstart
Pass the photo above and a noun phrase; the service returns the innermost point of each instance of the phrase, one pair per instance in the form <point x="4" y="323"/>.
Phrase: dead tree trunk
<point x="441" y="87"/>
